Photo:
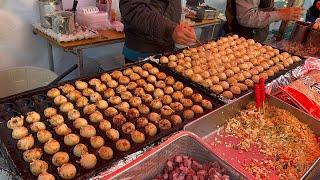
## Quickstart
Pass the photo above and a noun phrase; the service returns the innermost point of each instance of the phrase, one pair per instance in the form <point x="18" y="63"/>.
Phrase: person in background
<point x="152" y="27"/>
<point x="313" y="12"/>
<point x="251" y="18"/>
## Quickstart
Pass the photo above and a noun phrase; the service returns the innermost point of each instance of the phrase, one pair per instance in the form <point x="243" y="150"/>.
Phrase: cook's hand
<point x="291" y="13"/>
<point x="184" y="35"/>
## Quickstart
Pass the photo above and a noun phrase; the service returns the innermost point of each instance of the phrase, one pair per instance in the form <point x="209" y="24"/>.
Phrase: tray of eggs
<point x="79" y="128"/>
<point x="231" y="66"/>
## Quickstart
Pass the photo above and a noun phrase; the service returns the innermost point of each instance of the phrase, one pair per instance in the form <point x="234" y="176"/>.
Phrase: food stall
<point x="208" y="111"/>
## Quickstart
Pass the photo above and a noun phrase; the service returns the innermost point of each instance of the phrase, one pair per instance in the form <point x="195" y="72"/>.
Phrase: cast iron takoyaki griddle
<point x="36" y="100"/>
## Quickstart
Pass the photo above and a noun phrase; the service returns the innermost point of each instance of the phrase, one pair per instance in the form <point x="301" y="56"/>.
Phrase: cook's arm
<point x="140" y="15"/>
<point x="249" y="15"/>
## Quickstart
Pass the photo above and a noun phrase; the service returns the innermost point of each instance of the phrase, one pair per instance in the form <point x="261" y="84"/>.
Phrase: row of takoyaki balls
<point x="230" y="65"/>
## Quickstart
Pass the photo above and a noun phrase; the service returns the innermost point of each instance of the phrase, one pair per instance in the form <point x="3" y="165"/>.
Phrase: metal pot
<point x="301" y="31"/>
<point x="61" y="22"/>
<point x="47" y="7"/>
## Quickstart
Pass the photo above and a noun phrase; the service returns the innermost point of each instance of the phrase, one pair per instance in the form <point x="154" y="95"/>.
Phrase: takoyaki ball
<point x="81" y="85"/>
<point x="136" y="69"/>
<point x="255" y="78"/>
<point x="79" y="150"/>
<point x="142" y="122"/>
<point x="105" y="77"/>
<point x="172" y="64"/>
<point x="104" y="125"/>
<point x="215" y="79"/>
<point x="249" y="82"/>
<point x="154" y="70"/>
<point x="177" y="95"/>
<point x="56" y="120"/>
<point x="180" y="56"/>
<point x="33" y="117"/>
<point x="220" y="69"/>
<point x="164" y="124"/>
<point x="67" y="171"/>
<point x="179" y="69"/>
<point x="38" y="166"/>
<point x="124" y="80"/>
<point x="79" y="123"/>
<point x="139" y="91"/>
<point x="197" y="109"/>
<point x="260" y="69"/>
<point x="119" y="119"/>
<point x="285" y="63"/>
<point x="166" y="99"/>
<point x="151" y="79"/>
<point x="51" y="147"/>
<point x="82" y="101"/>
<point x="197" y="78"/>
<point x="206" y="104"/>
<point x="45" y="176"/>
<point x="74" y="95"/>
<point x="19" y="132"/>
<point x="164" y="60"/>
<point x="275" y="69"/>
<point x="96" y="117"/>
<point x="110" y="111"/>
<point x="166" y="110"/>
<point x="141" y="82"/>
<point x="137" y="136"/>
<point x="37" y="126"/>
<point x="66" y="107"/>
<point x="15" y="122"/>
<point x="113" y="134"/>
<point x="128" y="127"/>
<point x="89" y="109"/>
<point x="154" y="117"/>
<point x="188" y="114"/>
<point x="105" y="153"/>
<point x="270" y="62"/>
<point x="54" y="92"/>
<point x="222" y="76"/>
<point x="296" y="58"/>
<point x="124" y="107"/>
<point x="168" y="90"/>
<point x="87" y="131"/>
<point x="224" y="85"/>
<point x="62" y="130"/>
<point x="87" y="92"/>
<point x="176" y="119"/>
<point x="60" y="158"/>
<point x="144" y="73"/>
<point x="133" y="113"/>
<point x="32" y="154"/>
<point x="229" y="73"/>
<point x="161" y="75"/>
<point x="94" y="82"/>
<point x="235" y="89"/>
<point x="176" y="106"/>
<point x="132" y="86"/>
<point x="196" y="97"/>
<point x="265" y="65"/>
<point x="88" y="161"/>
<point x="149" y="87"/>
<point x="246" y="74"/>
<point x="169" y="80"/>
<point x="25" y="143"/>
<point x="232" y="80"/>
<point x="101" y="87"/>
<point x="123" y="145"/>
<point x="270" y="73"/>
<point x="109" y="93"/>
<point x="115" y="100"/>
<point x="116" y="74"/>
<point x="156" y="104"/>
<point x="205" y="74"/>
<point x="186" y="102"/>
<point x="96" y="142"/>
<point x="280" y="66"/>
<point x="242" y="86"/>
<point x="143" y="109"/>
<point x="102" y="104"/>
<point x="235" y="69"/>
<point x="71" y="139"/>
<point x="135" y="76"/>
<point x="239" y="76"/>
<point x="147" y="98"/>
<point x="112" y="84"/>
<point x="44" y="136"/>
<point x="135" y="101"/>
<point x="254" y="71"/>
<point x="150" y="129"/>
<point x="227" y="94"/>
<point x="186" y="53"/>
<point x="126" y="95"/>
<point x="188" y="73"/>
<point x="147" y="66"/>
<point x="127" y="72"/>
<point x="263" y="75"/>
<point x="160" y="84"/>
<point x="158" y="93"/>
<point x="187" y="91"/>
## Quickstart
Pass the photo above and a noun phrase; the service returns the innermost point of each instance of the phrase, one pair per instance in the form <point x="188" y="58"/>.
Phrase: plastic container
<point x="91" y="17"/>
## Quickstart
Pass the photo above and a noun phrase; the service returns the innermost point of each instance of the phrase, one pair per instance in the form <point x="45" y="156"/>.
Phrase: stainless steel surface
<point x="211" y="122"/>
<point x="152" y="163"/>
<point x="61" y="22"/>
<point x="301" y="31"/>
<point x="47" y="7"/>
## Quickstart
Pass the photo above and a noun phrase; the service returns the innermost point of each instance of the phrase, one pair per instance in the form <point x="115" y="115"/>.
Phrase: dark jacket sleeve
<point x="140" y="15"/>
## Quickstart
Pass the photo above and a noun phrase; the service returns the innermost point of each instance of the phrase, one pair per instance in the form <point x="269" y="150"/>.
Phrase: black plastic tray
<point x="37" y="100"/>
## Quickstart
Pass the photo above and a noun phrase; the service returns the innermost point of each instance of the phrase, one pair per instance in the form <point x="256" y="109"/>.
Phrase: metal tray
<point x="152" y="162"/>
<point x="210" y="123"/>
<point x="37" y="100"/>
